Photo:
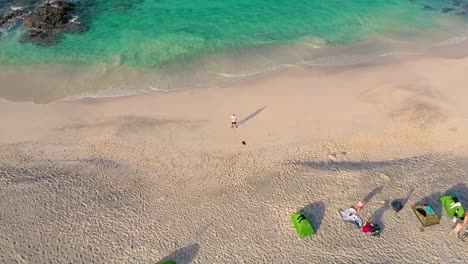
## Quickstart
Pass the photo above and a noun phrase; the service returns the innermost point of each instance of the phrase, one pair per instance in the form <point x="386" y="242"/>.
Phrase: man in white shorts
<point x="233" y="120"/>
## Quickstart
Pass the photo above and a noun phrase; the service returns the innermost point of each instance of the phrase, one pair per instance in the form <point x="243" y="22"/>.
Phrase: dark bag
<point x="375" y="231"/>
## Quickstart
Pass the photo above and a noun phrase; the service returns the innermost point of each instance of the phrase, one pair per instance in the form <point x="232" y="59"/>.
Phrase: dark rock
<point x="40" y="37"/>
<point x="8" y="3"/>
<point x="11" y="18"/>
<point x="447" y="9"/>
<point x="457" y="2"/>
<point x="48" y="22"/>
<point x="426" y="7"/>
<point x="123" y="6"/>
<point x="73" y="28"/>
<point x="462" y="12"/>
<point x="51" y="16"/>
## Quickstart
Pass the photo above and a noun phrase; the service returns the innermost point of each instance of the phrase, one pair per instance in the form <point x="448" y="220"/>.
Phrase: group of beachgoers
<point x="425" y="213"/>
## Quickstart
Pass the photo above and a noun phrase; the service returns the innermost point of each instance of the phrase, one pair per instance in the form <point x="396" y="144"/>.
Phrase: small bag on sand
<point x="376" y="230"/>
<point x="397" y="206"/>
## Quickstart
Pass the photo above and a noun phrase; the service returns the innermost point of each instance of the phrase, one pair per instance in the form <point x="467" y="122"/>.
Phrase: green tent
<point x="302" y="224"/>
<point x="168" y="262"/>
<point x="452" y="206"/>
<point x="425" y="214"/>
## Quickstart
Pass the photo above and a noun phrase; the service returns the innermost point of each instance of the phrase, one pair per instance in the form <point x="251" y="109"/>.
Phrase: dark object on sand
<point x="397" y="206"/>
<point x="243" y="143"/>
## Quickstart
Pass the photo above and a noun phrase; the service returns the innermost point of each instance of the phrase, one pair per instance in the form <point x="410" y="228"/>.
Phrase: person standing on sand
<point x="233" y="120"/>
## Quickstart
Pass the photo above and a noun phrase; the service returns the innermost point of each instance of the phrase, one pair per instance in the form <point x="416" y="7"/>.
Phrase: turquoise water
<point x="161" y="34"/>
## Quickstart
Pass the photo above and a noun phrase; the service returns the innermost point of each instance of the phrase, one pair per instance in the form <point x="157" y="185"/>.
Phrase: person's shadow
<point x="374" y="192"/>
<point x="183" y="255"/>
<point x="252" y="115"/>
<point x="377" y="216"/>
<point x="315" y="212"/>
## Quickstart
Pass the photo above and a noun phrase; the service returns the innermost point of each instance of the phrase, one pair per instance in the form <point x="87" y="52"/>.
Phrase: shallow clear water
<point x="201" y="38"/>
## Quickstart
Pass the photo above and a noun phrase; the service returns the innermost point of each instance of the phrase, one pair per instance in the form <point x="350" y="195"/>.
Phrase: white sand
<point x="138" y="179"/>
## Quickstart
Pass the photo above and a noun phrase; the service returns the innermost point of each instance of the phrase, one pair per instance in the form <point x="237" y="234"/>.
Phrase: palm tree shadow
<point x="315" y="213"/>
<point x="183" y="255"/>
<point x="252" y="115"/>
<point x="357" y="165"/>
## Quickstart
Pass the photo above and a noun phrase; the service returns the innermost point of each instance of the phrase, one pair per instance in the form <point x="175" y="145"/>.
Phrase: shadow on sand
<point x="376" y="217"/>
<point x="374" y="192"/>
<point x="252" y="115"/>
<point x="359" y="165"/>
<point x="460" y="190"/>
<point x="433" y="201"/>
<point x="183" y="255"/>
<point x="315" y="213"/>
<point x="402" y="201"/>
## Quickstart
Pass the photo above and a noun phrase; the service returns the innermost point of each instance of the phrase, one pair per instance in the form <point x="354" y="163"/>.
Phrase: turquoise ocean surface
<point x="141" y="45"/>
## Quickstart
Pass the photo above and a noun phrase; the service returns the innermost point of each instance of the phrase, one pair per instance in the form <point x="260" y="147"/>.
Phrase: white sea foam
<point x="75" y="19"/>
<point x="454" y="40"/>
<point x="114" y="93"/>
<point x="16" y="8"/>
<point x="269" y="69"/>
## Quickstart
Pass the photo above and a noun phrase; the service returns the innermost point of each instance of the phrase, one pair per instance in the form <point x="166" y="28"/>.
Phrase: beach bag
<point x="397" y="206"/>
<point x="452" y="206"/>
<point x="376" y="230"/>
<point x="302" y="225"/>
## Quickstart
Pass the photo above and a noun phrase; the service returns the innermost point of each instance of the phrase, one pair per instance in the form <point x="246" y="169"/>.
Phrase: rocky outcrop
<point x="51" y="16"/>
<point x="45" y="22"/>
<point x="48" y="22"/>
<point x="457" y="7"/>
<point x="11" y="18"/>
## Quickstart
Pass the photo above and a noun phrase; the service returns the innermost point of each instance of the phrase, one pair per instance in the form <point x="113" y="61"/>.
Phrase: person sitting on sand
<point x="458" y="227"/>
<point x="233" y="120"/>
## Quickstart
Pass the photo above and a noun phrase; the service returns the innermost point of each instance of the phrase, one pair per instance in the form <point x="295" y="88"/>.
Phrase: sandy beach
<point x="162" y="176"/>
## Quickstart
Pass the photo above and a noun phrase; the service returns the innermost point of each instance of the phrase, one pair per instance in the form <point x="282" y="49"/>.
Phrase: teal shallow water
<point x="161" y="34"/>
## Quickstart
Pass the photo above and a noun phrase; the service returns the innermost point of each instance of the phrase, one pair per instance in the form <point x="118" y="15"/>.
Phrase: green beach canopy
<point x="302" y="225"/>
<point x="452" y="206"/>
<point x="425" y="214"/>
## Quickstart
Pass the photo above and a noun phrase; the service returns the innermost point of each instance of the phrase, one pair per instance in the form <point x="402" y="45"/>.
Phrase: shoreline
<point x="55" y="82"/>
<point x="157" y="176"/>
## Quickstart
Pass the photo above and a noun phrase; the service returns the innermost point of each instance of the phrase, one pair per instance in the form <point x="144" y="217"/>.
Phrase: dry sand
<point x="145" y="178"/>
